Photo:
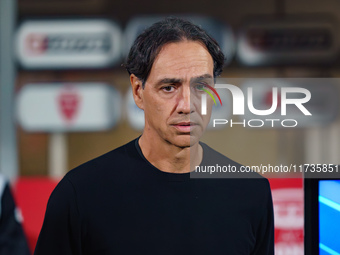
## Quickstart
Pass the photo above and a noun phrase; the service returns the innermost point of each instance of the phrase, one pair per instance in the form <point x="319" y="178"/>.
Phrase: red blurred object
<point x="31" y="196"/>
<point x="68" y="102"/>
<point x="288" y="215"/>
<point x="36" y="44"/>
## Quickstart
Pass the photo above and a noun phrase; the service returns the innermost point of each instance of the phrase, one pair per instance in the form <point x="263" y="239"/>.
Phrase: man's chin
<point x="185" y="141"/>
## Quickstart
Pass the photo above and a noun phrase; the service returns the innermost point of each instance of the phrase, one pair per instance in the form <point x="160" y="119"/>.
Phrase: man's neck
<point x="170" y="158"/>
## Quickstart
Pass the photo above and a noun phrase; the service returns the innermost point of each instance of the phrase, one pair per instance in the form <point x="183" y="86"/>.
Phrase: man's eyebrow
<point x="168" y="80"/>
<point x="177" y="80"/>
<point x="201" y="77"/>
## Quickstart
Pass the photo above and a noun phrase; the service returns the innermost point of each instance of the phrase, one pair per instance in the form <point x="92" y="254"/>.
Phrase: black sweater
<point x="119" y="203"/>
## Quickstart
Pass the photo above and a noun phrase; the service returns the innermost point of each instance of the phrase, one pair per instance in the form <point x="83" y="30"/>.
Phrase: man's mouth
<point x="185" y="126"/>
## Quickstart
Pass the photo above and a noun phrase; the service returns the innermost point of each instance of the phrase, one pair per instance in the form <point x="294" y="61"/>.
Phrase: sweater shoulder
<point x="110" y="163"/>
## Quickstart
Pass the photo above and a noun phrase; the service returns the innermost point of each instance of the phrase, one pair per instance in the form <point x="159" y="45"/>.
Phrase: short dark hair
<point x="149" y="43"/>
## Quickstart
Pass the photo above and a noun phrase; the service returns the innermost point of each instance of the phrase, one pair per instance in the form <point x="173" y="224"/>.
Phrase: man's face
<point x="171" y="98"/>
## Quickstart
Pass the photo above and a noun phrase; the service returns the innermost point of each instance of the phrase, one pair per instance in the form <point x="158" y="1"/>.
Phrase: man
<point x="139" y="198"/>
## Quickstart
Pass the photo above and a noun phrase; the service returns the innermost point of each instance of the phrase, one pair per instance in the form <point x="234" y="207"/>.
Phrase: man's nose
<point x="184" y="103"/>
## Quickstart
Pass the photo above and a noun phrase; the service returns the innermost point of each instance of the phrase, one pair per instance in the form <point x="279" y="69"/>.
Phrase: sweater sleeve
<point x="265" y="234"/>
<point x="61" y="230"/>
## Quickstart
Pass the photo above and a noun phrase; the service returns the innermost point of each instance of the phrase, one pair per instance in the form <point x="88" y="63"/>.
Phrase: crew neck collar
<point x="167" y="175"/>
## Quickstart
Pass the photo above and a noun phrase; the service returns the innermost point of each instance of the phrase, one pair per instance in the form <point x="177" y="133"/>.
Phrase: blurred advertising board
<point x="267" y="41"/>
<point x="64" y="107"/>
<point x="63" y="44"/>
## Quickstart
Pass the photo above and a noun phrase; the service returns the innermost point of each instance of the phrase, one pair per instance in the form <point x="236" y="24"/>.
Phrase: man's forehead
<point x="183" y="60"/>
<point x="178" y="54"/>
<point x="183" y="48"/>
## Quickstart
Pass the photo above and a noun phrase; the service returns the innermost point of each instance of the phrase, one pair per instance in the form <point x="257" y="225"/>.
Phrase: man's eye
<point x="168" y="88"/>
<point x="200" y="86"/>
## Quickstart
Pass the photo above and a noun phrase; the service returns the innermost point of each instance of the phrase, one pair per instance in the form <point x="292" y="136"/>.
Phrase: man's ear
<point x="137" y="91"/>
